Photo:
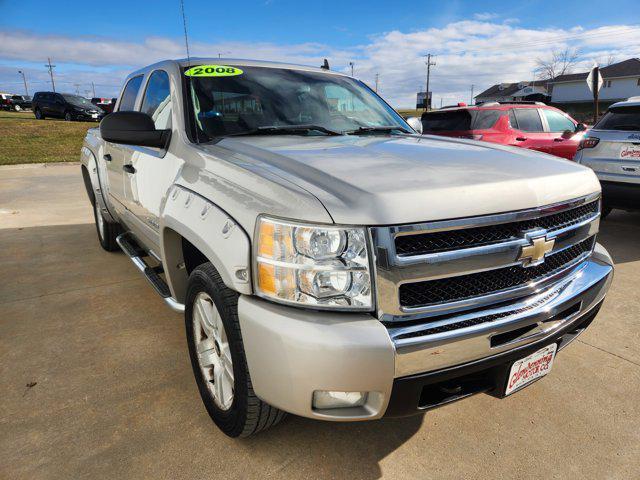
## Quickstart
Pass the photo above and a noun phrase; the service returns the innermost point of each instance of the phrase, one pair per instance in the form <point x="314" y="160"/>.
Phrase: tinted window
<point x="558" y="122"/>
<point x="446" y="121"/>
<point x="486" y="119"/>
<point x="528" y="120"/>
<point x="130" y="93"/>
<point x="622" y="118"/>
<point x="157" y="99"/>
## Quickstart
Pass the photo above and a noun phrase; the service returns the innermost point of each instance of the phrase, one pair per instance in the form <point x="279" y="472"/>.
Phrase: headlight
<point x="313" y="265"/>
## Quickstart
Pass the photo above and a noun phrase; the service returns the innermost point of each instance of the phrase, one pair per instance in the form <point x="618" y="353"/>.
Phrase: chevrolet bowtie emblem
<point x="534" y="254"/>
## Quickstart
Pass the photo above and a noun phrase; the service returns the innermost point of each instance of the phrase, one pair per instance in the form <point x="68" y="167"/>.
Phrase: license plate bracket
<point x="525" y="371"/>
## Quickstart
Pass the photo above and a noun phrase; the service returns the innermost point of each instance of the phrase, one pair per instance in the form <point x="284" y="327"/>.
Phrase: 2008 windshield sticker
<point x="213" y="71"/>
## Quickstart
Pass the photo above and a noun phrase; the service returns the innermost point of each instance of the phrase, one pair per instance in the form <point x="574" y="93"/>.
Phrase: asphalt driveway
<point x="95" y="380"/>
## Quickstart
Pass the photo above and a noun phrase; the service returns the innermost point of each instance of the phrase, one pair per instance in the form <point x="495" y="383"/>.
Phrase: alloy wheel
<point x="213" y="350"/>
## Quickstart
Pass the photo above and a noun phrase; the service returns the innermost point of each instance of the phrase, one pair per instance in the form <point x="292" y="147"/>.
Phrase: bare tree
<point x="560" y="63"/>
<point x="610" y="60"/>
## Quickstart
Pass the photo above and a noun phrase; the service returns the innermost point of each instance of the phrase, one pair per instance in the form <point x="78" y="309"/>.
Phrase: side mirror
<point x="581" y="127"/>
<point x="415" y="123"/>
<point x="133" y="128"/>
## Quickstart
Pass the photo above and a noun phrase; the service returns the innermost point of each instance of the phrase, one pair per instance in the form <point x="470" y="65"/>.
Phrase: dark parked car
<point x="105" y="104"/>
<point x="65" y="105"/>
<point x="20" y="102"/>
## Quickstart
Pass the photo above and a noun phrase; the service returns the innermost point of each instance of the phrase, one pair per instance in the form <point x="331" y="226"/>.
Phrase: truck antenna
<point x="189" y="85"/>
<point x="184" y="24"/>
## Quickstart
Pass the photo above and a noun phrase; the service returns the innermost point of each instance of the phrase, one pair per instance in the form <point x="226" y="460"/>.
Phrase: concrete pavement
<point x="95" y="379"/>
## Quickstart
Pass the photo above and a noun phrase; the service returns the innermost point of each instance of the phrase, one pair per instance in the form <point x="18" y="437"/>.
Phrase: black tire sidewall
<point x="206" y="279"/>
<point x="38" y="114"/>
<point x="70" y="117"/>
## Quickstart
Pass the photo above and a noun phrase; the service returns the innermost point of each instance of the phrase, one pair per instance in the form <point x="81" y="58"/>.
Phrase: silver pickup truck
<point x="330" y="261"/>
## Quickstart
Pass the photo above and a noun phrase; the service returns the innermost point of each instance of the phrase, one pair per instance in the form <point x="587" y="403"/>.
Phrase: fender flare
<point x="212" y="231"/>
<point x="91" y="179"/>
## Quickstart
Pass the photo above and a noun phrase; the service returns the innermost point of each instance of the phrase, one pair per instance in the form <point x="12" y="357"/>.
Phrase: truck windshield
<point x="270" y="101"/>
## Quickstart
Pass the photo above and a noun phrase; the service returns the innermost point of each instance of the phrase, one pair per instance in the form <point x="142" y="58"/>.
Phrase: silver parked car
<point x="612" y="149"/>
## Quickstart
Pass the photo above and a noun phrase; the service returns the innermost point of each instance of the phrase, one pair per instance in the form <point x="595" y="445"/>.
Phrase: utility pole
<point x="51" y="67"/>
<point x="77" y="85"/>
<point x="471" y="102"/>
<point x="377" y="78"/>
<point x="93" y="89"/>
<point x="440" y="102"/>
<point x="24" y="79"/>
<point x="429" y="65"/>
<point x="351" y="64"/>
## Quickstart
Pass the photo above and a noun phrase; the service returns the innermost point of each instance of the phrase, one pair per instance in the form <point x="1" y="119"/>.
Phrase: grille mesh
<point x="420" y="294"/>
<point x="424" y="243"/>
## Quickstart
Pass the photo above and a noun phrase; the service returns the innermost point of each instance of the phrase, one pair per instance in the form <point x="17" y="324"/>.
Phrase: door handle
<point x="521" y="139"/>
<point x="558" y="139"/>
<point x="107" y="157"/>
<point x="129" y="168"/>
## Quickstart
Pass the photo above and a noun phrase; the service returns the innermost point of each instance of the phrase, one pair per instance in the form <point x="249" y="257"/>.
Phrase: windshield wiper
<point x="284" y="129"/>
<point x="381" y="128"/>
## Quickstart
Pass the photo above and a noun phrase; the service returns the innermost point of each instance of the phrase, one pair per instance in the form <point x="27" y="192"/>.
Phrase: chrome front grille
<point x="448" y="267"/>
<point x="443" y="241"/>
<point x="453" y="289"/>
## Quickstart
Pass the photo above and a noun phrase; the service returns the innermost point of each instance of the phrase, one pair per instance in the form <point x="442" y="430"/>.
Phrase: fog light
<point x="323" y="399"/>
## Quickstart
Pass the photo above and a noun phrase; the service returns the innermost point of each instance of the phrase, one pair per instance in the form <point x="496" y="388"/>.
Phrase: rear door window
<point x="486" y="119"/>
<point x="620" y="118"/>
<point x="528" y="119"/>
<point x="447" y="121"/>
<point x="129" y="94"/>
<point x="157" y="100"/>
<point x="557" y="122"/>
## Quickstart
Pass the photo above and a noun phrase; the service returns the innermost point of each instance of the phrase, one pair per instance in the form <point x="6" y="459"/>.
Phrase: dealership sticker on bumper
<point x="630" y="152"/>
<point x="530" y="368"/>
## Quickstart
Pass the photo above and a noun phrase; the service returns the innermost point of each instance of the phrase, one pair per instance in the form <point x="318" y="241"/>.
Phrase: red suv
<point x="531" y="125"/>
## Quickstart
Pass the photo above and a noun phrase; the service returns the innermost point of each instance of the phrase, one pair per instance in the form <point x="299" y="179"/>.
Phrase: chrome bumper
<point x="498" y="329"/>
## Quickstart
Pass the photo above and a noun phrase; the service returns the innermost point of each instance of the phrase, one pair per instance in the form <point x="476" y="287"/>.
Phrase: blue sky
<point x="478" y="42"/>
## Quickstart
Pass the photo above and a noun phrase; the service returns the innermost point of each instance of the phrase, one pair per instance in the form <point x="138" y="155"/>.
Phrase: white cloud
<point x="467" y="52"/>
<point x="484" y="16"/>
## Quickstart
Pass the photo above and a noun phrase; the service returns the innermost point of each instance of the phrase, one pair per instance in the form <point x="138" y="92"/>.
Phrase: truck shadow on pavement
<point x="620" y="235"/>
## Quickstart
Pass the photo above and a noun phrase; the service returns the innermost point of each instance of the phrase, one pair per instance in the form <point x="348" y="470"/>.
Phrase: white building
<point x="621" y="81"/>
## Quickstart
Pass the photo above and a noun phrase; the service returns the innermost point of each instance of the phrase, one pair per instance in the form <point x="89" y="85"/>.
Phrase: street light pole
<point x="51" y="67"/>
<point x="429" y="65"/>
<point x="377" y="78"/>
<point x="471" y="102"/>
<point x="24" y="79"/>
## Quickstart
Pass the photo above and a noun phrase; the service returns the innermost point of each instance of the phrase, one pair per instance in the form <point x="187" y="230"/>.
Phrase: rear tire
<point x="215" y="345"/>
<point x="38" y="113"/>
<point x="17" y="108"/>
<point x="107" y="231"/>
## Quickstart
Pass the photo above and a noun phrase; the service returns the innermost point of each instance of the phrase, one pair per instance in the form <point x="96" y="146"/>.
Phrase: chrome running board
<point x="136" y="254"/>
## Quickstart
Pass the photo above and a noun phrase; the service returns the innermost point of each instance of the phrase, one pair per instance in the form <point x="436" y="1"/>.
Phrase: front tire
<point x="68" y="117"/>
<point x="217" y="357"/>
<point x="107" y="231"/>
<point x="17" y="108"/>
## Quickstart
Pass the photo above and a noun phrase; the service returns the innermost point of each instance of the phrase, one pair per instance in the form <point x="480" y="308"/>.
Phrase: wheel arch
<point x="194" y="230"/>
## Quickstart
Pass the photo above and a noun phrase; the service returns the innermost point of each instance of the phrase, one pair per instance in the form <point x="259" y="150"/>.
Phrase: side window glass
<point x="528" y="120"/>
<point x="557" y="122"/>
<point x="157" y="99"/>
<point x="130" y="93"/>
<point x="486" y="119"/>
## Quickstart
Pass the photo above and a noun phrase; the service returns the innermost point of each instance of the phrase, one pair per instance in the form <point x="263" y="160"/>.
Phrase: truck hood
<point x="379" y="180"/>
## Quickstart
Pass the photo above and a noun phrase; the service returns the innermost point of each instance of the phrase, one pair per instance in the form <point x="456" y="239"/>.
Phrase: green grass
<point x="23" y="139"/>
<point x="410" y="113"/>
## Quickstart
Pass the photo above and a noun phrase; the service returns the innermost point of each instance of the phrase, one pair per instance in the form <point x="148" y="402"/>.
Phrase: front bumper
<point x="293" y="352"/>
